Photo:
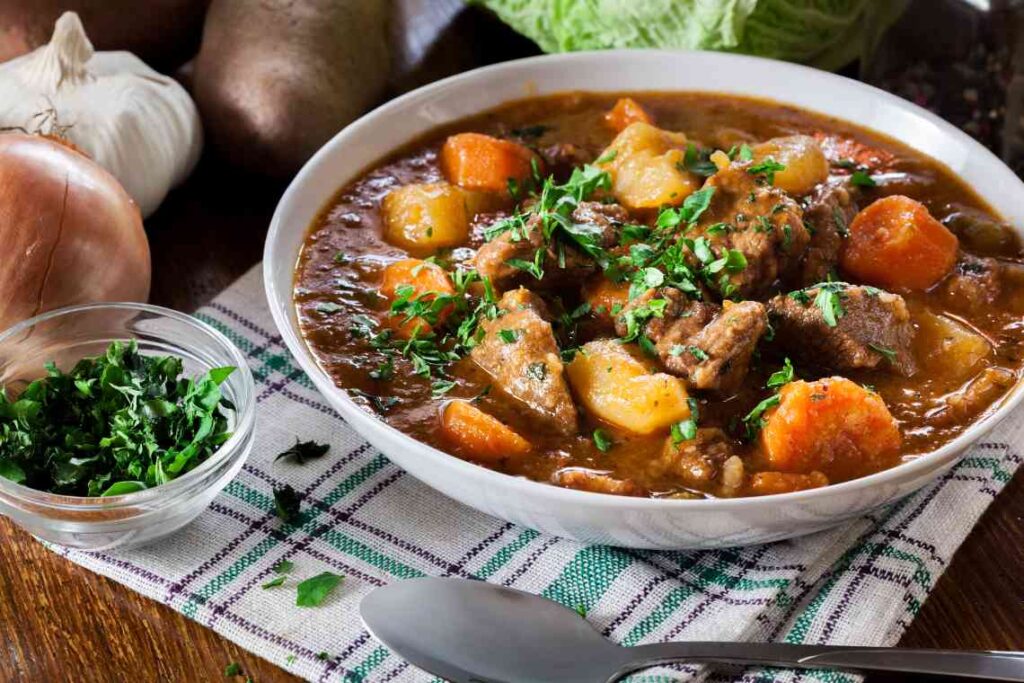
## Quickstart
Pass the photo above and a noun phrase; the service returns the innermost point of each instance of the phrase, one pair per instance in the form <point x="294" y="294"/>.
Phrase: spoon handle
<point x="1001" y="666"/>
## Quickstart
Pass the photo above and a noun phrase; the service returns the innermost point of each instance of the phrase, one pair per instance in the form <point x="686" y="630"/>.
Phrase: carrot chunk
<point x="626" y="111"/>
<point x="425" y="278"/>
<point x="895" y="243"/>
<point x="480" y="436"/>
<point x="474" y="161"/>
<point x="833" y="426"/>
<point x="771" y="483"/>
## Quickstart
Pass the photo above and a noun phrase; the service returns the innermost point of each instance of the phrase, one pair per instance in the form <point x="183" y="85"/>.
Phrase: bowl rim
<point x="244" y="425"/>
<point x="363" y="422"/>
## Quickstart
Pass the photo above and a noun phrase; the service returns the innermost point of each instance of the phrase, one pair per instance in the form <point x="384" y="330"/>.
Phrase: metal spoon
<point x="476" y="632"/>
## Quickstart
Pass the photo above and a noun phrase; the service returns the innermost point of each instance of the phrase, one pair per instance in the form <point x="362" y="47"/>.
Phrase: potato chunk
<point x="806" y="165"/>
<point x="611" y="381"/>
<point x="946" y="345"/>
<point x="644" y="164"/>
<point x="426" y="217"/>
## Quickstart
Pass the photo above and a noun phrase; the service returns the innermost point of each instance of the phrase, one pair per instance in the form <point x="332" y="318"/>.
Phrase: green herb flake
<point x="283" y="567"/>
<point x="304" y="450"/>
<point x="602" y="441"/>
<point x="766" y="169"/>
<point x="274" y="583"/>
<point x="313" y="591"/>
<point x="698" y="353"/>
<point x="608" y="156"/>
<point x="509" y="336"/>
<point x="890" y="355"/>
<point x="861" y="178"/>
<point x="286" y="504"/>
<point x="781" y="377"/>
<point x="328" y="307"/>
<point x="233" y="669"/>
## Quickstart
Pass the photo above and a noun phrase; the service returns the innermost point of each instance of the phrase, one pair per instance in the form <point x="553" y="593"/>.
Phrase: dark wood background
<point x="59" y="622"/>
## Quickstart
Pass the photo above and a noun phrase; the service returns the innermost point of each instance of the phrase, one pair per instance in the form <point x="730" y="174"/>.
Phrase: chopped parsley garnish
<point x="781" y="377"/>
<point x="698" y="353"/>
<point x="754" y="420"/>
<point x="509" y="336"/>
<point x="286" y="504"/>
<point x="686" y="430"/>
<point x="636" y="316"/>
<point x="113" y="424"/>
<point x="697" y="161"/>
<point x="693" y="207"/>
<point x="745" y="153"/>
<point x="602" y="441"/>
<point x="766" y="169"/>
<point x="440" y="387"/>
<point x="313" y="591"/>
<point x="829" y="300"/>
<point x="607" y="156"/>
<point x="233" y="669"/>
<point x="283" y="567"/>
<point x="304" y="450"/>
<point x="328" y="307"/>
<point x="381" y="404"/>
<point x="890" y="355"/>
<point x="861" y="178"/>
<point x="840" y="221"/>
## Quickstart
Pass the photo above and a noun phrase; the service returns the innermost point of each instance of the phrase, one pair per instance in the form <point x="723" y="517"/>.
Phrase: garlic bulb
<point x="138" y="124"/>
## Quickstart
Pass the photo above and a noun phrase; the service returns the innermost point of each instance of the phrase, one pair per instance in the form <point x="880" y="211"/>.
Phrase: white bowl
<point x="600" y="518"/>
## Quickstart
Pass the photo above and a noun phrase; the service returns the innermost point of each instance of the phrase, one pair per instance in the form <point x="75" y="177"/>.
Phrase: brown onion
<point x="69" y="233"/>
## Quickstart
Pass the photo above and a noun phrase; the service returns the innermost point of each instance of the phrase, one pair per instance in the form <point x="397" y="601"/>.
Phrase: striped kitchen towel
<point x="365" y="519"/>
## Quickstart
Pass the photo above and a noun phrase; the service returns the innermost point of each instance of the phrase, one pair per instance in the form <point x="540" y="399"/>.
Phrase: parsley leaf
<point x="890" y="355"/>
<point x="313" y="591"/>
<point x="286" y="504"/>
<point x="509" y="336"/>
<point x="274" y="582"/>
<point x="783" y="376"/>
<point x="304" y="450"/>
<point x="754" y="420"/>
<point x="767" y="169"/>
<point x="233" y="669"/>
<point x="602" y="440"/>
<point x="862" y="178"/>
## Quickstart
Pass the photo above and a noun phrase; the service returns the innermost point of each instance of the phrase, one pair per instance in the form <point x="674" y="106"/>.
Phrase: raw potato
<point x="424" y="218"/>
<point x="617" y="387"/>
<point x="70" y="232"/>
<point x="165" y="35"/>
<point x="805" y="163"/>
<point x="276" y="79"/>
<point x="645" y="169"/>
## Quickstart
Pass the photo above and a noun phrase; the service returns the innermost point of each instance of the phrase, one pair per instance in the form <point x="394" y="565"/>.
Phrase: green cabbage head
<point x="824" y="33"/>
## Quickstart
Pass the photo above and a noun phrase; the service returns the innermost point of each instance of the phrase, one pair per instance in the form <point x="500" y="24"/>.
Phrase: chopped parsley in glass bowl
<point x="119" y="422"/>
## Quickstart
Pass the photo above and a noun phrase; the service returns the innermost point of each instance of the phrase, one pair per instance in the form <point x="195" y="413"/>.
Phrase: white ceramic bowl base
<point x="599" y="518"/>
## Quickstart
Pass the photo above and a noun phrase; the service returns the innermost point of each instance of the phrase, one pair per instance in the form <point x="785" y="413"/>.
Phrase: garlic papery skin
<point x="138" y="124"/>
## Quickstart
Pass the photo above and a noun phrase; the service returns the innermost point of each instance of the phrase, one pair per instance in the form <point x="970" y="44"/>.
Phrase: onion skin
<point x="70" y="233"/>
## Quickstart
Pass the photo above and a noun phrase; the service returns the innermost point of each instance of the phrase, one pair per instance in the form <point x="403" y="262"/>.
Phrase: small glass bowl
<point x="68" y="334"/>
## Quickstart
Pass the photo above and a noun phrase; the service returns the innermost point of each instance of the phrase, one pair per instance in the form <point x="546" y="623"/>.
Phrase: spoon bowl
<point x="476" y="632"/>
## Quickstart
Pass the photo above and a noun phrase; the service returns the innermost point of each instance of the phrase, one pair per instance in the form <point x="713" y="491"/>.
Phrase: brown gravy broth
<point x="351" y="226"/>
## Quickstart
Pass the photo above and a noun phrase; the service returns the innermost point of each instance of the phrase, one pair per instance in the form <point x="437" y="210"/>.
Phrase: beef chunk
<point x="708" y="345"/>
<point x="519" y="352"/>
<point x="561" y="264"/>
<point x="561" y="158"/>
<point x="975" y="281"/>
<point x="827" y="214"/>
<point x="718" y="356"/>
<point x="479" y="224"/>
<point x="760" y="221"/>
<point x="582" y="479"/>
<point x="608" y="219"/>
<point x="695" y="463"/>
<point x="872" y="327"/>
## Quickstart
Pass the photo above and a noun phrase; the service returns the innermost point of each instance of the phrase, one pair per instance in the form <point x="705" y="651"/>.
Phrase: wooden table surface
<point x="59" y="622"/>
